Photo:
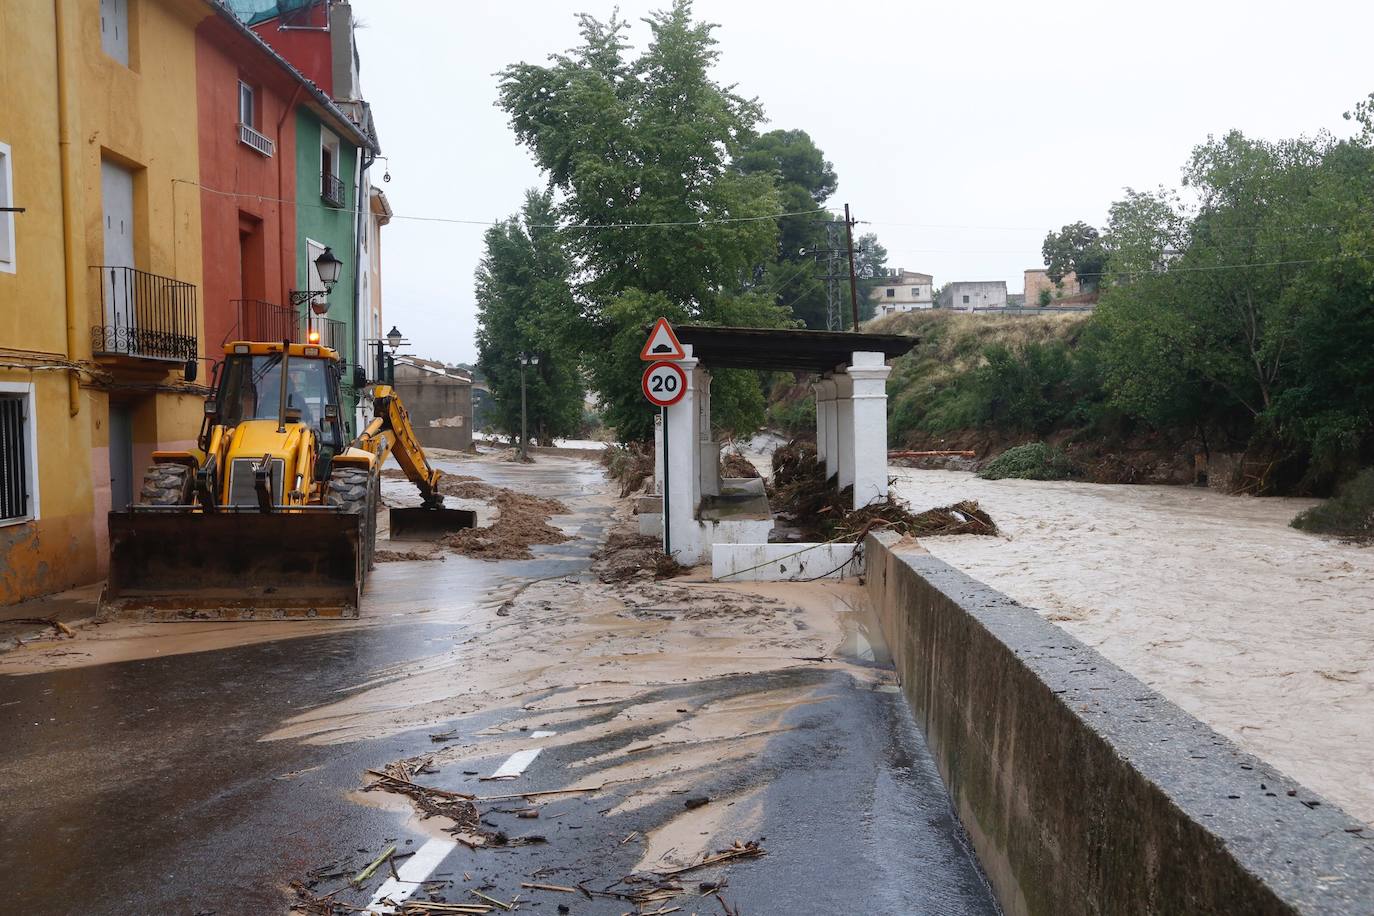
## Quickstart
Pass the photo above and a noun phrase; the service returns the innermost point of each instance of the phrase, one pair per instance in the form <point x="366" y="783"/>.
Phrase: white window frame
<point x="312" y="273"/>
<point x="252" y="119"/>
<point x="117" y="49"/>
<point x="329" y="141"/>
<point x="31" y="442"/>
<point x="9" y="245"/>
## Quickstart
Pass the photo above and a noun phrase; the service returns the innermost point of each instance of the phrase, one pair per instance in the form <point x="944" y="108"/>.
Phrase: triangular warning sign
<point x="662" y="343"/>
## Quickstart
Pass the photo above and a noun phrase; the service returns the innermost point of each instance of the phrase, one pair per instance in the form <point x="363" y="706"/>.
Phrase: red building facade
<point x="248" y="170"/>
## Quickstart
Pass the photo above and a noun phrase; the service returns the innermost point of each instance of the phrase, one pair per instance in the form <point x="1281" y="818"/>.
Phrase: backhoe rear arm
<point x="390" y="432"/>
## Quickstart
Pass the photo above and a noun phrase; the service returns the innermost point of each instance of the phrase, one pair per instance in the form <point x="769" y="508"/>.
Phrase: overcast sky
<point x="962" y="130"/>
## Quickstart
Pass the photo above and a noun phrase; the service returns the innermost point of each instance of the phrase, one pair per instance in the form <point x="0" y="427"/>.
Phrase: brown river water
<point x="1262" y="631"/>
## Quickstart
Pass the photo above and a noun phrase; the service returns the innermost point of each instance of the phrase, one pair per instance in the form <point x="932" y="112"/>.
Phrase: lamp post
<point x="328" y="268"/>
<point x="525" y="360"/>
<point x="393" y="339"/>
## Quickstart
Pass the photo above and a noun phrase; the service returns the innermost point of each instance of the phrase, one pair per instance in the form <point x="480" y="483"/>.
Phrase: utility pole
<point x="853" y="282"/>
<point x="831" y="258"/>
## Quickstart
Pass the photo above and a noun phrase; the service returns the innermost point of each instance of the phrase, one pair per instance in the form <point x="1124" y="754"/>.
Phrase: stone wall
<point x="1084" y="791"/>
<point x="440" y="409"/>
<point x="1037" y="280"/>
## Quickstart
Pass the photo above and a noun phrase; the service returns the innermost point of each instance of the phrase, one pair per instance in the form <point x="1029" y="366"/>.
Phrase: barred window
<point x="15" y="473"/>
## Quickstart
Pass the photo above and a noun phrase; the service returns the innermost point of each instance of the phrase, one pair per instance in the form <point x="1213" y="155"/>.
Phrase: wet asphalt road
<point x="144" y="786"/>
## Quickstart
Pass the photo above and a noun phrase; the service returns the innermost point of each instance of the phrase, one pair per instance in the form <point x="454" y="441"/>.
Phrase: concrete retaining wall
<point x="1084" y="791"/>
<point x="784" y="562"/>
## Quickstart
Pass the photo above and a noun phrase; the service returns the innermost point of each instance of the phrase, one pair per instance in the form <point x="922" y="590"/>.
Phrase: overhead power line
<point x="665" y="224"/>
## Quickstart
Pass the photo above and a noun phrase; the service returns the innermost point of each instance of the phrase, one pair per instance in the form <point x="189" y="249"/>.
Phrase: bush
<point x="1348" y="514"/>
<point x="1033" y="461"/>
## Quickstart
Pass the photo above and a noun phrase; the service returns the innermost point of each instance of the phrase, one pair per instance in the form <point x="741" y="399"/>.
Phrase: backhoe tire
<point x="348" y="489"/>
<point x="357" y="491"/>
<point x="167" y="485"/>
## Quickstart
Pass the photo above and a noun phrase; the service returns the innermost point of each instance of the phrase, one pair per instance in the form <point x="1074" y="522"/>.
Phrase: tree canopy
<point x="525" y="307"/>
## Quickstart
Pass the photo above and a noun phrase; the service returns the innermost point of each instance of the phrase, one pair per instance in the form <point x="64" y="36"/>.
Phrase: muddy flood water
<point x="1260" y="630"/>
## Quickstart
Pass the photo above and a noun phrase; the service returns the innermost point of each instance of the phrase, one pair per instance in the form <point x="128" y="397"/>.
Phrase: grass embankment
<point x="1348" y="514"/>
<point x="1008" y="376"/>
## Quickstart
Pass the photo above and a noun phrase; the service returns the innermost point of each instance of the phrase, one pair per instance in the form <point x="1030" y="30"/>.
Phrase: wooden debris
<point x="549" y="887"/>
<point x="934" y="453"/>
<point x="739" y="850"/>
<point x="535" y="794"/>
<point x="366" y="873"/>
<point x="407" y="784"/>
<point x="492" y="900"/>
<point x="53" y="622"/>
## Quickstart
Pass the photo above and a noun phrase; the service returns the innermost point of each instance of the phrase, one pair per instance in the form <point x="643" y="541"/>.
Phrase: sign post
<point x="664" y="383"/>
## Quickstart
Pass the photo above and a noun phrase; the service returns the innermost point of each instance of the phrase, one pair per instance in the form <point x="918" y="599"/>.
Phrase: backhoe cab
<point x="275" y="515"/>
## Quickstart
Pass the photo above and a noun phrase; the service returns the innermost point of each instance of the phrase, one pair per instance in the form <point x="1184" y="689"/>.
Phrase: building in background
<point x="904" y="291"/>
<point x="972" y="295"/>
<point x="370" y="302"/>
<point x="439" y="400"/>
<point x="1041" y="290"/>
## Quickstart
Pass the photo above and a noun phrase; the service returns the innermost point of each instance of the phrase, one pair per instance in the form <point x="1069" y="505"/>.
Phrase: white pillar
<point x="709" y="459"/>
<point x="682" y="533"/>
<point x="825" y="412"/>
<point x="844" y="422"/>
<point x="868" y="379"/>
<point x="818" y="394"/>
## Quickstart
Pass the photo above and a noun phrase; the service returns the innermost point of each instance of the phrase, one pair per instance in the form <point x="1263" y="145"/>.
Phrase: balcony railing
<point x="145" y="316"/>
<point x="332" y="189"/>
<point x="250" y="137"/>
<point x="261" y="320"/>
<point x="331" y="334"/>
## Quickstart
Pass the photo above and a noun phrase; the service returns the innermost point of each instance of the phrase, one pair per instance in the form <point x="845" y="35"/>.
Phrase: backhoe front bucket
<point x="185" y="565"/>
<point x="427" y="524"/>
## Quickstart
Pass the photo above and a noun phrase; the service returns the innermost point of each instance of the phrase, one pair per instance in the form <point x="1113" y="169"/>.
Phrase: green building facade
<point x="327" y="216"/>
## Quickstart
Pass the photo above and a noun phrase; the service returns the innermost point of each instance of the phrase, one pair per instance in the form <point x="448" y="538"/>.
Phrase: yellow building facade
<point x="100" y="275"/>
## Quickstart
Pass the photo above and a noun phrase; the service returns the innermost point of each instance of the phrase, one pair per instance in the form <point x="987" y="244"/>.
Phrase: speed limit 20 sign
<point x="664" y="383"/>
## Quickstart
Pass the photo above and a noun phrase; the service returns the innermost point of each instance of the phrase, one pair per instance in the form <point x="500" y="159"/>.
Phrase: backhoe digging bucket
<point x="427" y="524"/>
<point x="183" y="565"/>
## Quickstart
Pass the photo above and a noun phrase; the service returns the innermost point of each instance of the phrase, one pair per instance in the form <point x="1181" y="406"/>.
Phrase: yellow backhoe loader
<point x="275" y="516"/>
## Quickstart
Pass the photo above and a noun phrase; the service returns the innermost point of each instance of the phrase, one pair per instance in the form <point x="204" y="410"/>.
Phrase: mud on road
<point x="217" y="764"/>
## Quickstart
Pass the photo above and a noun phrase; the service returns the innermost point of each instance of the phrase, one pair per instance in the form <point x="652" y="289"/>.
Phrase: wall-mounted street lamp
<point x="526" y="360"/>
<point x="394" y="339"/>
<point x="328" y="267"/>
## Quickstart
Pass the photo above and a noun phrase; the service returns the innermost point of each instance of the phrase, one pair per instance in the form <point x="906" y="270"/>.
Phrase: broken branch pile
<point x="629" y="465"/>
<point x="802" y="492"/>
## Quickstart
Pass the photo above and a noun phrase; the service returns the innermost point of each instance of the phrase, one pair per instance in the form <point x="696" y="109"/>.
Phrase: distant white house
<point x="904" y="291"/>
<point x="967" y="295"/>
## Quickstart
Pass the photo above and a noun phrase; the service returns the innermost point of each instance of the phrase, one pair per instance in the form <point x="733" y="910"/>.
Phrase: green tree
<point x="1261" y="324"/>
<point x="1078" y="248"/>
<point x="1144" y="231"/>
<point x="805" y="180"/>
<point x="649" y="141"/>
<point x="525" y="306"/>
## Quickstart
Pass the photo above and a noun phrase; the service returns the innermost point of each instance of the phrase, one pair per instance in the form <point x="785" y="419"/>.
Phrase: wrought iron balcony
<point x="332" y="189"/>
<point x="331" y="334"/>
<point x="145" y="316"/>
<point x="250" y="137"/>
<point x="262" y="320"/>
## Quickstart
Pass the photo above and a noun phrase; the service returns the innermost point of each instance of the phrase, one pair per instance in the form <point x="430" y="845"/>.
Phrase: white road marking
<point x="412" y="872"/>
<point x="516" y="763"/>
<point x="542" y="734"/>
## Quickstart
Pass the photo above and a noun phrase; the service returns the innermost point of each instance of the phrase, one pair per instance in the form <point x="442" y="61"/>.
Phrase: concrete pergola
<point x="851" y="429"/>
